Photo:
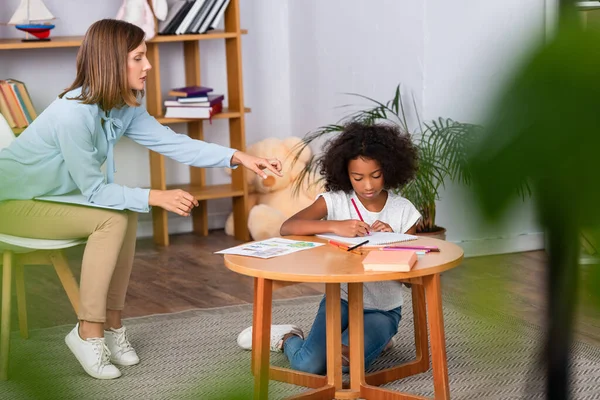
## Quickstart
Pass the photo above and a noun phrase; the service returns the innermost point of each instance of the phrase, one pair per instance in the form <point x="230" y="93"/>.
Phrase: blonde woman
<point x="63" y="150"/>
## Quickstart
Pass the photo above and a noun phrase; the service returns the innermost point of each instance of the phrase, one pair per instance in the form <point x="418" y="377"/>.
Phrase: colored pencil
<point x="343" y="247"/>
<point x="358" y="212"/>
<point x="358" y="245"/>
<point x="428" y="248"/>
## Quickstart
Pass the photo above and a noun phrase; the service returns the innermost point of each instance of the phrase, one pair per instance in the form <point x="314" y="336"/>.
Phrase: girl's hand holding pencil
<point x="350" y="228"/>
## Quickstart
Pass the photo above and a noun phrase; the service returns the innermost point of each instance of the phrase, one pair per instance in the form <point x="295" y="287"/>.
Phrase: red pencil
<point x="336" y="243"/>
<point x="358" y="212"/>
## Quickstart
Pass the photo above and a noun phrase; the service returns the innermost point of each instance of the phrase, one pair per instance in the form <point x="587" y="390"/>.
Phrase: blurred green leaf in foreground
<point x="545" y="131"/>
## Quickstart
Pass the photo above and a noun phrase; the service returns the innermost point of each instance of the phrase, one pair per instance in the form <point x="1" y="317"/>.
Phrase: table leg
<point x="435" y="320"/>
<point x="261" y="311"/>
<point x="433" y="291"/>
<point x="420" y="327"/>
<point x="254" y="324"/>
<point x="334" y="335"/>
<point x="334" y="355"/>
<point x="357" y="333"/>
<point x="261" y="337"/>
<point x="421" y="361"/>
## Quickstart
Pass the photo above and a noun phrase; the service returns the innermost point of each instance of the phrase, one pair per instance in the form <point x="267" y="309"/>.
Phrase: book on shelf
<point x="393" y="261"/>
<point x="192" y="16"/>
<point x="14" y="108"/>
<point x="24" y="99"/>
<point x="197" y="99"/>
<point x="190" y="91"/>
<point x="215" y="22"/>
<point x="194" y="112"/>
<point x="183" y="27"/>
<point x="15" y="103"/>
<point x="173" y="8"/>
<point x="209" y="101"/>
<point x="210" y="17"/>
<point x="5" y="110"/>
<point x="178" y="9"/>
<point x="201" y="16"/>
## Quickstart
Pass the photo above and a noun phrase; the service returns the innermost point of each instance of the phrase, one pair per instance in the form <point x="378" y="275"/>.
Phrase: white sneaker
<point x="121" y="351"/>
<point x="92" y="354"/>
<point x="389" y="346"/>
<point x="244" y="339"/>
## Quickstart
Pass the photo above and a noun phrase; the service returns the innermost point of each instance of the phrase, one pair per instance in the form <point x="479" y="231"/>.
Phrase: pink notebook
<point x="400" y="261"/>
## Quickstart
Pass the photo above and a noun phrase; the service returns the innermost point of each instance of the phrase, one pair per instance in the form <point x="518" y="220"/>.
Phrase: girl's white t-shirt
<point x="397" y="212"/>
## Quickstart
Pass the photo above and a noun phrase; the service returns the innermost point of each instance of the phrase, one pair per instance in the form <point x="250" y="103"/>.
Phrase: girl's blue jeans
<point x="310" y="354"/>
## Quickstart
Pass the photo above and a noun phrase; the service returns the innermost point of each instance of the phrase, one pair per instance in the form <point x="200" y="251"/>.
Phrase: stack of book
<point x="15" y="104"/>
<point x="193" y="102"/>
<point x="392" y="261"/>
<point x="192" y="16"/>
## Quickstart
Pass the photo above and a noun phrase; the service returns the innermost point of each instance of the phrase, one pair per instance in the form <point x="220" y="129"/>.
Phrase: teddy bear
<point x="138" y="12"/>
<point x="273" y="200"/>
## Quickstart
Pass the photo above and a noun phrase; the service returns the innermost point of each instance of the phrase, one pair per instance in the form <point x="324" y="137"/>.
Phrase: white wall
<point x="344" y="46"/>
<point x="471" y="47"/>
<point x="471" y="50"/>
<point x="301" y="56"/>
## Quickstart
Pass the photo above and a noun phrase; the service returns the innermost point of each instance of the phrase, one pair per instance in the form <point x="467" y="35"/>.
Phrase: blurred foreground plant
<point x="544" y="132"/>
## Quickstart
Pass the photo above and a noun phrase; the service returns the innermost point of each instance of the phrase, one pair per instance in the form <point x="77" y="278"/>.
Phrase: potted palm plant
<point x="442" y="145"/>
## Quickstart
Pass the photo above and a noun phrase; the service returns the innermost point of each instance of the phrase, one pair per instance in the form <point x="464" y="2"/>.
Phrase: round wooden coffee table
<point x="332" y="266"/>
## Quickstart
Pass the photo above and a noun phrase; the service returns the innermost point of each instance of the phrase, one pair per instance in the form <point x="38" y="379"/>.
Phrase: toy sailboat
<point x="29" y="17"/>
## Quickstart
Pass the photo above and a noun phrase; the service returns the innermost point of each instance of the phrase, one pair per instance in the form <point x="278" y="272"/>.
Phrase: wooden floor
<point x="188" y="275"/>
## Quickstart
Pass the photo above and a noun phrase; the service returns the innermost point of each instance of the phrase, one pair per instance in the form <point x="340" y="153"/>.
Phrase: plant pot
<point x="439" y="234"/>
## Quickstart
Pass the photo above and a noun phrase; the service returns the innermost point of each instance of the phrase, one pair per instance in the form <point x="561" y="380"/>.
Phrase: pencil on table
<point x="358" y="245"/>
<point x="344" y="247"/>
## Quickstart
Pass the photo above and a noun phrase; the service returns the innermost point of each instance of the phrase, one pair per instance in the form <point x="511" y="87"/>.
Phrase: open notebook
<point x="374" y="238"/>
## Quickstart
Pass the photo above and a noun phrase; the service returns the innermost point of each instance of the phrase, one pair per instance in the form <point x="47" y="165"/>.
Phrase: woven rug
<point x="193" y="355"/>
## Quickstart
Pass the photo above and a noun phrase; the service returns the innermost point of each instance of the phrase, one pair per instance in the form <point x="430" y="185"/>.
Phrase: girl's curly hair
<point x="386" y="144"/>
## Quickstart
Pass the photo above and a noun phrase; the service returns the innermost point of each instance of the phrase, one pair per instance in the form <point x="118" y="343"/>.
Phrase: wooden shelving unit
<point x="210" y="192"/>
<point x="237" y="190"/>
<point x="75" y="41"/>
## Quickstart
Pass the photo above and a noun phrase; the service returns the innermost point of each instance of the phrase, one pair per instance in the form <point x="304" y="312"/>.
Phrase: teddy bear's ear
<point x="291" y="141"/>
<point x="295" y="147"/>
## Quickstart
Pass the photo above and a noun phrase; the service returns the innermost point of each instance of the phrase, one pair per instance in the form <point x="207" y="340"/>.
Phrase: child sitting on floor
<point x="365" y="163"/>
